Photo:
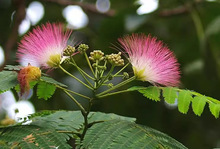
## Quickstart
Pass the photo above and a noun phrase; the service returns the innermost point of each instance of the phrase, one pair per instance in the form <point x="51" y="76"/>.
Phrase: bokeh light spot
<point x="103" y="5"/>
<point x="35" y="12"/>
<point x="24" y="26"/>
<point x="75" y="17"/>
<point x="147" y="6"/>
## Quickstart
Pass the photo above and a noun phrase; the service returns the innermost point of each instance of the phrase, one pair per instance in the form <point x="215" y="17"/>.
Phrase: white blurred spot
<point x="147" y="6"/>
<point x="75" y="17"/>
<point x="35" y="12"/>
<point x="18" y="111"/>
<point x="2" y="56"/>
<point x="103" y="5"/>
<point x="211" y="0"/>
<point x="24" y="26"/>
<point x="6" y="100"/>
<point x="171" y="106"/>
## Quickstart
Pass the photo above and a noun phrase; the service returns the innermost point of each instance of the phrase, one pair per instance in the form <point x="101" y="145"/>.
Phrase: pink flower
<point x="151" y="60"/>
<point x="44" y="46"/>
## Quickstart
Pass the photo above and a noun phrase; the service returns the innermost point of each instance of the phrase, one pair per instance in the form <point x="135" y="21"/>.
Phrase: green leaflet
<point x="169" y="94"/>
<point x="198" y="104"/>
<point x="184" y="99"/>
<point x="45" y="90"/>
<point x="215" y="109"/>
<point x="8" y="80"/>
<point x="115" y="134"/>
<point x="152" y="93"/>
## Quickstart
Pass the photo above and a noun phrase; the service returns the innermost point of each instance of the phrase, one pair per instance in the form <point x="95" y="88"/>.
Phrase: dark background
<point x="190" y="28"/>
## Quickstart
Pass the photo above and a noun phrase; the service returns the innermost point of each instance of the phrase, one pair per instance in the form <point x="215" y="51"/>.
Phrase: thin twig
<point x="85" y="6"/>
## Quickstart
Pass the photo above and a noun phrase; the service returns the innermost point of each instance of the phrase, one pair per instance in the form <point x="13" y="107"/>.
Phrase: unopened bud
<point x="115" y="59"/>
<point x="125" y="75"/>
<point x="83" y="48"/>
<point x="69" y="51"/>
<point x="96" y="55"/>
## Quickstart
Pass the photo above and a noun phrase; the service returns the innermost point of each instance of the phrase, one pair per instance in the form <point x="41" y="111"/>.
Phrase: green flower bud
<point x="83" y="48"/>
<point x="115" y="59"/>
<point x="69" y="51"/>
<point x="96" y="55"/>
<point x="125" y="75"/>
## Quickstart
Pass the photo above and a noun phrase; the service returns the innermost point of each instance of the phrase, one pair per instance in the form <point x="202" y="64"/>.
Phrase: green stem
<point x="90" y="66"/>
<point x="81" y="72"/>
<point x="96" y="73"/>
<point x="121" y="70"/>
<point x="117" y="86"/>
<point x="106" y="77"/>
<point x="74" y="77"/>
<point x="103" y="70"/>
<point x="78" y="104"/>
<point x="73" y="92"/>
<point x="114" y="93"/>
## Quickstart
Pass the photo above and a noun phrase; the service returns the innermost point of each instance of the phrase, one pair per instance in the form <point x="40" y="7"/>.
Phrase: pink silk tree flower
<point x="151" y="60"/>
<point x="44" y="46"/>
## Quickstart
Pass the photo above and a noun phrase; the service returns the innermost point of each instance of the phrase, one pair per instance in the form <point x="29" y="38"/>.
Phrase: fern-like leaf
<point x="121" y="134"/>
<point x="31" y="137"/>
<point x="52" y="81"/>
<point x="152" y="93"/>
<point x="8" y="80"/>
<point x="12" y="67"/>
<point x="184" y="97"/>
<point x="45" y="90"/>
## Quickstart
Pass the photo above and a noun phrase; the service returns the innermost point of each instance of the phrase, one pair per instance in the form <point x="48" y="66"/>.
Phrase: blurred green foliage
<point x="193" y="35"/>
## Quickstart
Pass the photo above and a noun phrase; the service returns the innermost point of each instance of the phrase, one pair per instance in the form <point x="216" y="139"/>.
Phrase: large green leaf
<point x="8" y="79"/>
<point x="115" y="134"/>
<point x="50" y="128"/>
<point x="72" y="120"/>
<point x="31" y="137"/>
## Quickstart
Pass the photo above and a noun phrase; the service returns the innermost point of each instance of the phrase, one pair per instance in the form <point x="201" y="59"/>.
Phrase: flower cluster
<point x="47" y="47"/>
